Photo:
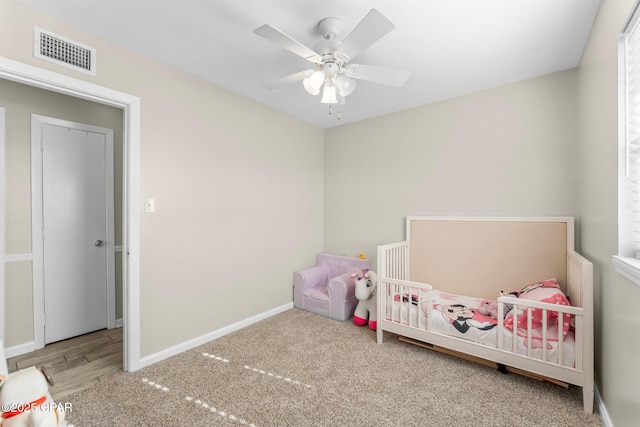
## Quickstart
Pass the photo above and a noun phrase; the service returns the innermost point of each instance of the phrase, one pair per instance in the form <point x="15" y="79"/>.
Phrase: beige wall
<point x="616" y="298"/>
<point x="238" y="189"/>
<point x="20" y="102"/>
<point x="18" y="303"/>
<point x="504" y="151"/>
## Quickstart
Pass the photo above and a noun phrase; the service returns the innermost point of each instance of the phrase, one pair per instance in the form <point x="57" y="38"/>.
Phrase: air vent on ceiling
<point x="60" y="50"/>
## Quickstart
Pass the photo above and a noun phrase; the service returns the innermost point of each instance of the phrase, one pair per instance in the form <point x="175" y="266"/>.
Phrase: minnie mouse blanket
<point x="462" y="317"/>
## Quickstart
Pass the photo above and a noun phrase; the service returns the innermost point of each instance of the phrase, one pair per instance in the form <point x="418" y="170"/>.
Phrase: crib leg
<point x="379" y="335"/>
<point x="587" y="400"/>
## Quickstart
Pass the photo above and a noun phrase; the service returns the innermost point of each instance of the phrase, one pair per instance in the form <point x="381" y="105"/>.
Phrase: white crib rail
<point x="403" y="300"/>
<point x="527" y="307"/>
<point x="393" y="266"/>
<point x="393" y="261"/>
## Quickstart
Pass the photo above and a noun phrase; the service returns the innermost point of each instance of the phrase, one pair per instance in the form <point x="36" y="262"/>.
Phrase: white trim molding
<point x="19" y="349"/>
<point x="29" y="257"/>
<point x="602" y="409"/>
<point x="628" y="267"/>
<point x="2" y="241"/>
<point x="18" y="258"/>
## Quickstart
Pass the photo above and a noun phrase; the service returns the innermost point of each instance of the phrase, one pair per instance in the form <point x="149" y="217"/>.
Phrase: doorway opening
<point x="130" y="106"/>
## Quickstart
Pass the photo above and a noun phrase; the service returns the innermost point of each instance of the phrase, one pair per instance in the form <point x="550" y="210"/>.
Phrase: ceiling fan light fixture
<point x="313" y="83"/>
<point x="309" y="88"/>
<point x="329" y="94"/>
<point x="345" y="84"/>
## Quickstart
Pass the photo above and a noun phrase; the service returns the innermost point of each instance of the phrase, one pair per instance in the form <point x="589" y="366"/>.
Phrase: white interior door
<point x="77" y="227"/>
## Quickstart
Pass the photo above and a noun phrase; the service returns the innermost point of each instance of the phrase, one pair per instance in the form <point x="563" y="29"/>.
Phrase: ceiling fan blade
<point x="371" y="29"/>
<point x="386" y="76"/>
<point x="278" y="37"/>
<point x="286" y="80"/>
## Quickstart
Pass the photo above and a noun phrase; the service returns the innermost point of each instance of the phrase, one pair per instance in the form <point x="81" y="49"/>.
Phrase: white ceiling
<point x="451" y="47"/>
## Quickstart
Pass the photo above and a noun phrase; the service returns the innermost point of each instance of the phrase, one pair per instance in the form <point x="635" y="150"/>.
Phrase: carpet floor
<point x="300" y="369"/>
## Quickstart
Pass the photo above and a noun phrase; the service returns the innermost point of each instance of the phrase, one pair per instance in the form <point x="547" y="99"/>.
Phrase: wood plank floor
<point x="76" y="363"/>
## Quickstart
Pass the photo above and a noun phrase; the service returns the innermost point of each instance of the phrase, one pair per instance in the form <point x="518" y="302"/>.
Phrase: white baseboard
<point x="602" y="409"/>
<point x="188" y="345"/>
<point x="119" y="323"/>
<point x="19" y="349"/>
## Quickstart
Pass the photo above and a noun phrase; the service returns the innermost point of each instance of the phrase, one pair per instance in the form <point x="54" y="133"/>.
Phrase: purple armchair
<point x="327" y="288"/>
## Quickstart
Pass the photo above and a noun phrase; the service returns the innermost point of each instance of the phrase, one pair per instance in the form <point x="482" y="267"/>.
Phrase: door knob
<point x="99" y="243"/>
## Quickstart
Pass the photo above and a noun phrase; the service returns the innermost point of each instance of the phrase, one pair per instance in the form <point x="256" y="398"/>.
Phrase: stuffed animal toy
<point x="366" y="311"/>
<point x="26" y="402"/>
<point x="489" y="308"/>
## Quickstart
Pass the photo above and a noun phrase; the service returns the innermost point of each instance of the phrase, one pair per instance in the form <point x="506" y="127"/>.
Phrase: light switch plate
<point x="149" y="205"/>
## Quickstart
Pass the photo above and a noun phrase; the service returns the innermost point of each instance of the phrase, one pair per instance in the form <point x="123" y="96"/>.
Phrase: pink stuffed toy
<point x="489" y="308"/>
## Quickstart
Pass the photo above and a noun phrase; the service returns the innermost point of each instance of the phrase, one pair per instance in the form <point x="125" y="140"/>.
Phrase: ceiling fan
<point x="332" y="71"/>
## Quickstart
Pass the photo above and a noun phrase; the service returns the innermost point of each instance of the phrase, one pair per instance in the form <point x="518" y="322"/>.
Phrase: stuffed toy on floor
<point x="26" y="402"/>
<point x="366" y="311"/>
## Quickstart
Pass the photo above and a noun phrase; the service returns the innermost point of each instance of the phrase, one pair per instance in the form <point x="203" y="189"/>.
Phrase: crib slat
<point x="394" y="262"/>
<point x="560" y="339"/>
<point x="514" y="338"/>
<point x="579" y="357"/>
<point x="500" y="325"/>
<point x="412" y="310"/>
<point x="395" y="291"/>
<point x="529" y="331"/>
<point x="544" y="336"/>
<point x="404" y="261"/>
<point x="388" y="306"/>
<point x="418" y="317"/>
<point x="429" y="305"/>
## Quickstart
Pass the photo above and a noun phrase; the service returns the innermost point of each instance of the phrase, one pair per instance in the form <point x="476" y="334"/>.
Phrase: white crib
<point x="479" y="257"/>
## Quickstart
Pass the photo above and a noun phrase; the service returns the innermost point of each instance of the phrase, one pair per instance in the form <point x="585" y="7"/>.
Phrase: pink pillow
<point x="547" y="291"/>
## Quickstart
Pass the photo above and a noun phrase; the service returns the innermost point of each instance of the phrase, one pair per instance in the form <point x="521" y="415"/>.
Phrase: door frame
<point x="37" y="221"/>
<point x="2" y="245"/>
<point x="131" y="204"/>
